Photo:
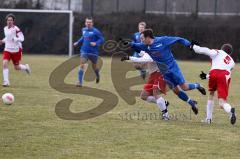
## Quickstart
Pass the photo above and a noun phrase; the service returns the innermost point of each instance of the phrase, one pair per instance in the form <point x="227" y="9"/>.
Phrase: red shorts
<point x="155" y="81"/>
<point x="14" y="56"/>
<point x="219" y="81"/>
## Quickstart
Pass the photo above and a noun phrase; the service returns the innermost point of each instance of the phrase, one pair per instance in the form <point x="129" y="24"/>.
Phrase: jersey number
<point x="227" y="60"/>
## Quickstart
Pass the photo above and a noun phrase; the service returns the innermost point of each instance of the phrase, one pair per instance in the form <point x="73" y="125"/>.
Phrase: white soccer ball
<point x="8" y="98"/>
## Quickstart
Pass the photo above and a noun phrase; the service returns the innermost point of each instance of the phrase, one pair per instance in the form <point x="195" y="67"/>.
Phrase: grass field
<point x="30" y="129"/>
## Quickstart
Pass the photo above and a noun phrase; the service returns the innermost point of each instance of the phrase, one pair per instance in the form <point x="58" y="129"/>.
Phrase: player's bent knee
<point x="176" y="90"/>
<point x="221" y="102"/>
<point x="16" y="67"/>
<point x="184" y="87"/>
<point x="94" y="66"/>
<point x="144" y="95"/>
<point x="211" y="93"/>
<point x="210" y="97"/>
<point x="5" y="63"/>
<point x="82" y="66"/>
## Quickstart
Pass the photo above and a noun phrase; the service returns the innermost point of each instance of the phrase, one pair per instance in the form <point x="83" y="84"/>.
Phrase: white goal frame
<point x="71" y="20"/>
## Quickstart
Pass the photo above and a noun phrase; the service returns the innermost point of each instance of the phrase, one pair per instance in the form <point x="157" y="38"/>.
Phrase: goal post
<point x="70" y="21"/>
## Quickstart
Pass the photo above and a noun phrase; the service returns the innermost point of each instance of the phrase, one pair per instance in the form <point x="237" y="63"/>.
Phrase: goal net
<point x="45" y="31"/>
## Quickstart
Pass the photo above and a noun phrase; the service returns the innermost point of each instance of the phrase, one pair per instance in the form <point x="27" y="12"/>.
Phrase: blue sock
<point x="80" y="76"/>
<point x="97" y="72"/>
<point x="182" y="95"/>
<point x="193" y="86"/>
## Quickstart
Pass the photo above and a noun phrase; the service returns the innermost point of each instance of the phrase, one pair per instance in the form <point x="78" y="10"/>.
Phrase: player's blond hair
<point x="143" y="24"/>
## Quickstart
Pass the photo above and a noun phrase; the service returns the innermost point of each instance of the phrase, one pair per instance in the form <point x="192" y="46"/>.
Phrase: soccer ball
<point x="8" y="98"/>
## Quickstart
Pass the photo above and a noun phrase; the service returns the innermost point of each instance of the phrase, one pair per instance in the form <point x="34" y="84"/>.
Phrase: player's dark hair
<point x="89" y="18"/>
<point x="148" y="33"/>
<point x="10" y="15"/>
<point x="227" y="48"/>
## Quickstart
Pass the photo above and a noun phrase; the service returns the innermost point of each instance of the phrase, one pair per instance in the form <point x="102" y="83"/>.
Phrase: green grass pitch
<point x="30" y="129"/>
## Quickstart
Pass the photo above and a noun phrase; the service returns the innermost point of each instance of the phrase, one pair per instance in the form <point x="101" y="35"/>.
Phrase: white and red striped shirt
<point x="13" y="39"/>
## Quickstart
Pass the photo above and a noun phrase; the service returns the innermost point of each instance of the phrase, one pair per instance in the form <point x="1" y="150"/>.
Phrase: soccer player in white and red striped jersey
<point x="219" y="78"/>
<point x="13" y="48"/>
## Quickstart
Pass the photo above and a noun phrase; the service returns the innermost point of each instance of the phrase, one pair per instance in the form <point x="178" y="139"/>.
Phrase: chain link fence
<point x="172" y="7"/>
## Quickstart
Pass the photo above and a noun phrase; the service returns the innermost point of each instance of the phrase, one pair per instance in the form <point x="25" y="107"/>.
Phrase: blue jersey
<point x="160" y="51"/>
<point x="90" y="35"/>
<point x="136" y="39"/>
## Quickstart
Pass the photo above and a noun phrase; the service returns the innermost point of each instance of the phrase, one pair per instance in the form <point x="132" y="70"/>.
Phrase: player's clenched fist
<point x="75" y="44"/>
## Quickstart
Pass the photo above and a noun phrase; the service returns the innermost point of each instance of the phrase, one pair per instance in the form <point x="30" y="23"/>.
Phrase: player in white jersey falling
<point x="155" y="84"/>
<point x="219" y="78"/>
<point x="13" y="48"/>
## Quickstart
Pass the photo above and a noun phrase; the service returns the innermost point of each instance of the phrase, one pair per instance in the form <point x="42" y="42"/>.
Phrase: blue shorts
<point x="88" y="56"/>
<point x="174" y="77"/>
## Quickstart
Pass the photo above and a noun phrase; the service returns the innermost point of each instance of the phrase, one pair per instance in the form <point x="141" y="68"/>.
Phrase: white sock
<point x="5" y="74"/>
<point x="161" y="104"/>
<point x="165" y="114"/>
<point x="227" y="107"/>
<point x="151" y="99"/>
<point x="209" y="108"/>
<point x="22" y="67"/>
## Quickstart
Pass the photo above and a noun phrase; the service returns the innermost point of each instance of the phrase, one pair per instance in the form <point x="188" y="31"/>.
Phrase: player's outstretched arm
<point x="170" y="40"/>
<point x="136" y="46"/>
<point x="143" y="59"/>
<point x="205" y="51"/>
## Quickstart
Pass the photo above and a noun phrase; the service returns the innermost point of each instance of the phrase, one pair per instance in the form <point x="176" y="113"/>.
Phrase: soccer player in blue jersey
<point x="137" y="39"/>
<point x="90" y="41"/>
<point x="159" y="48"/>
